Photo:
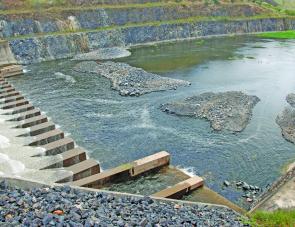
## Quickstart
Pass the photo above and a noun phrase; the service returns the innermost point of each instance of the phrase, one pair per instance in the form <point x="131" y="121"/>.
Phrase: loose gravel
<point x="65" y="206"/>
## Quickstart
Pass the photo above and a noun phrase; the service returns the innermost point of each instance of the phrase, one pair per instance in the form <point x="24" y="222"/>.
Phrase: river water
<point x="117" y="129"/>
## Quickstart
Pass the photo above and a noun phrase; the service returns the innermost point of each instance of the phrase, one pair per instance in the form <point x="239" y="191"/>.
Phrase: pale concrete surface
<point x="284" y="198"/>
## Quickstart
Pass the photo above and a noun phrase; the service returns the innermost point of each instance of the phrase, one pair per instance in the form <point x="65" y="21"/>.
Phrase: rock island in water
<point x="230" y="110"/>
<point x="286" y="120"/>
<point x="128" y="80"/>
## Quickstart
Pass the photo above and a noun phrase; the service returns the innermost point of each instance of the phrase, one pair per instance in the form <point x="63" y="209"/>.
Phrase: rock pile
<point x="230" y="110"/>
<point x="250" y="191"/>
<point x="286" y="120"/>
<point x="65" y="206"/>
<point x="103" y="54"/>
<point x="128" y="80"/>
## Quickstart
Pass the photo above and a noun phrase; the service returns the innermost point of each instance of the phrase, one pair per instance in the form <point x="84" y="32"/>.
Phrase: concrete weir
<point x="62" y="153"/>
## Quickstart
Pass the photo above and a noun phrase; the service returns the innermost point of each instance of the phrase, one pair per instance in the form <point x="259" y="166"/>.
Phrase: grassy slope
<point x="288" y="4"/>
<point x="278" y="218"/>
<point x="278" y="35"/>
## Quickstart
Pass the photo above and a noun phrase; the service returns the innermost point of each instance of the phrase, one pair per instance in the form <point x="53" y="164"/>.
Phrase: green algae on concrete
<point x="278" y="35"/>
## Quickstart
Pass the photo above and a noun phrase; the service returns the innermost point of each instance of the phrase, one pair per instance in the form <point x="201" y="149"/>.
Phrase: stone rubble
<point x="230" y="110"/>
<point x="65" y="206"/>
<point x="128" y="80"/>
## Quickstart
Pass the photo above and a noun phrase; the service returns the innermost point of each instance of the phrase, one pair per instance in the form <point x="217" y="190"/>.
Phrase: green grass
<point x="280" y="218"/>
<point x="278" y="35"/>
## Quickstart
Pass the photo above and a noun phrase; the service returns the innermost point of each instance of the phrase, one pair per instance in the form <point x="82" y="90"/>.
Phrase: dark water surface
<point x="117" y="129"/>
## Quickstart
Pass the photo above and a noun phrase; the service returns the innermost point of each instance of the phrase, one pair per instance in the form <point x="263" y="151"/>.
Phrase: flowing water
<point x="117" y="129"/>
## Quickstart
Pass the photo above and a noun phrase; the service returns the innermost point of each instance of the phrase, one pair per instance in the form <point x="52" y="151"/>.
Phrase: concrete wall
<point x="6" y="56"/>
<point x="30" y="50"/>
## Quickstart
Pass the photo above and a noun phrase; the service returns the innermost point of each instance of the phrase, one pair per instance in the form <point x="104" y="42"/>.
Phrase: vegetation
<point x="278" y="35"/>
<point x="280" y="218"/>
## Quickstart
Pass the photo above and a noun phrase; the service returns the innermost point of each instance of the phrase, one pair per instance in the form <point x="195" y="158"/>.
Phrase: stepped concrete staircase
<point x="86" y="172"/>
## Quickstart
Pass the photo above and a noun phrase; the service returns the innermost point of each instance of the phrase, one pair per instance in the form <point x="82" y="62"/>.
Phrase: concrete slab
<point x="179" y="190"/>
<point x="126" y="171"/>
<point x="11" y="99"/>
<point x="33" y="121"/>
<point x="59" y="146"/>
<point x="150" y="162"/>
<point x="82" y="169"/>
<point x="3" y="86"/>
<point x="41" y="128"/>
<point x="101" y="179"/>
<point x="26" y="115"/>
<point x="69" y="158"/>
<point x="6" y="90"/>
<point x="47" y="137"/>
<point x="14" y="104"/>
<point x="9" y="94"/>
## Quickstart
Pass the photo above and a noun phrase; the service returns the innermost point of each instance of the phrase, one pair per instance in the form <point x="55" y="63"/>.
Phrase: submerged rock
<point x="225" y="110"/>
<point x="103" y="54"/>
<point x="291" y="99"/>
<point x="286" y="120"/>
<point x="128" y="80"/>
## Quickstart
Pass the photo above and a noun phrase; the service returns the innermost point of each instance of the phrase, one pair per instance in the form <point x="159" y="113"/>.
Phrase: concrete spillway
<point x="44" y="153"/>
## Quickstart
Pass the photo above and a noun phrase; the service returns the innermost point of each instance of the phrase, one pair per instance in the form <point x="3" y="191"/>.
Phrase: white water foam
<point x="190" y="171"/>
<point x="108" y="101"/>
<point x="10" y="167"/>
<point x="68" y="78"/>
<point x="4" y="142"/>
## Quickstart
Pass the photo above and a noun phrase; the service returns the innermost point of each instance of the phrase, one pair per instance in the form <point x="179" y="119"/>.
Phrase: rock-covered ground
<point x="230" y="110"/>
<point x="64" y="206"/>
<point x="291" y="99"/>
<point x="128" y="80"/>
<point x="286" y="120"/>
<point x="103" y="54"/>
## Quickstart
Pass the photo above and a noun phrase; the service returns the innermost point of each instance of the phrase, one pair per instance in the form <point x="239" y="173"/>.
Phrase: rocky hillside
<point x="46" y="30"/>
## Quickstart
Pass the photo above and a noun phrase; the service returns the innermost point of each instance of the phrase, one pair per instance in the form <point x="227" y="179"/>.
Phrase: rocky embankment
<point x="286" y="120"/>
<point x="291" y="99"/>
<point x="225" y="110"/>
<point x="128" y="80"/>
<point x="64" y="206"/>
<point x="103" y="54"/>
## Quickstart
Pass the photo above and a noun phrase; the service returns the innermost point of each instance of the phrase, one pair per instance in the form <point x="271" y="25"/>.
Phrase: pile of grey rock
<point x="65" y="206"/>
<point x="103" y="54"/>
<point x="250" y="191"/>
<point x="286" y="120"/>
<point x="128" y="80"/>
<point x="230" y="110"/>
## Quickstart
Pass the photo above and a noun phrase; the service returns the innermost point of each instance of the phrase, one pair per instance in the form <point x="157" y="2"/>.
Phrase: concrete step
<point x="12" y="70"/>
<point x="12" y="99"/>
<point x="47" y="137"/>
<point x="150" y="162"/>
<point x="26" y="115"/>
<point x="21" y="109"/>
<point x="9" y="94"/>
<point x="59" y="146"/>
<point x="69" y="158"/>
<point x="41" y="128"/>
<point x="33" y="121"/>
<point x="126" y="171"/>
<point x="3" y="86"/>
<point x="7" y="90"/>
<point x="81" y="170"/>
<point x="14" y="104"/>
<point x="183" y="188"/>
<point x="3" y="83"/>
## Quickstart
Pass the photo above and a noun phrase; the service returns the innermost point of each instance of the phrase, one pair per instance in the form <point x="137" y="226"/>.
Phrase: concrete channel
<point x="86" y="172"/>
